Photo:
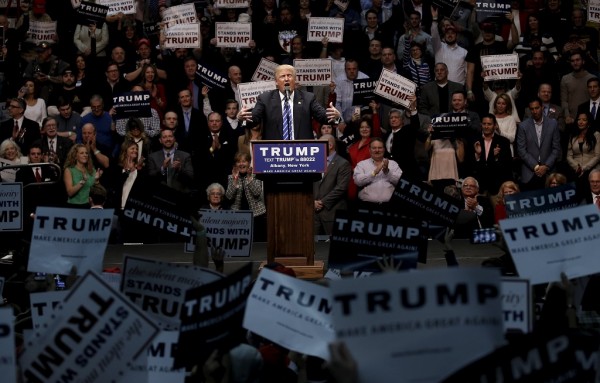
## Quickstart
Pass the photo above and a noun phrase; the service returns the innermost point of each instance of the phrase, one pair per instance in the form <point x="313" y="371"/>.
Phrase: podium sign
<point x="289" y="157"/>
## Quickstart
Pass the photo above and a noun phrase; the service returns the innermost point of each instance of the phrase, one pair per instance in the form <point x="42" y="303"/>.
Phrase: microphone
<point x="287" y="92"/>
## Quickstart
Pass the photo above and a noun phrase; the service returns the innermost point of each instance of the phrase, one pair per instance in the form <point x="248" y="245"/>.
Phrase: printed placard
<point x="363" y="91"/>
<point x="401" y="324"/>
<point x="330" y="27"/>
<point x="299" y="320"/>
<point x="106" y="331"/>
<point x="211" y="77"/>
<point x="449" y="125"/>
<point x="8" y="354"/>
<point x="593" y="11"/>
<point x="183" y="36"/>
<point x="41" y="31"/>
<point x="297" y="156"/>
<point x="233" y="34"/>
<point x="158" y="288"/>
<point x="313" y="72"/>
<point x="232" y="3"/>
<point x="63" y="238"/>
<point x="229" y="230"/>
<point x="420" y="200"/>
<point x="395" y="88"/>
<point x="42" y="306"/>
<point x="212" y="317"/>
<point x="541" y="201"/>
<point x="180" y="14"/>
<point x="132" y="104"/>
<point x="500" y="67"/>
<point x="516" y="305"/>
<point x="265" y="70"/>
<point x="91" y="13"/>
<point x="126" y="7"/>
<point x="495" y="9"/>
<point x="249" y="92"/>
<point x="157" y="365"/>
<point x="7" y="175"/>
<point x="544" y="245"/>
<point x="11" y="202"/>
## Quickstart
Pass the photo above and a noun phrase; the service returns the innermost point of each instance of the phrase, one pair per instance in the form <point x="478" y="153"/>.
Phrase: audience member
<point x="19" y="128"/>
<point x="54" y="147"/>
<point x="79" y="176"/>
<point x="170" y="165"/>
<point x="215" y="194"/>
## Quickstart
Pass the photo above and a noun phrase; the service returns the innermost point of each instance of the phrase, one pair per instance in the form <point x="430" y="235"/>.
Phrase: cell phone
<point x="486" y="235"/>
<point x="357" y="110"/>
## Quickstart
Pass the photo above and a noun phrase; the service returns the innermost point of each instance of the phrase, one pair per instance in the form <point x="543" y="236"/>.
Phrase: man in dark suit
<point x="22" y="130"/>
<point x="477" y="213"/>
<point x="436" y="96"/>
<point x="270" y="107"/>
<point x="593" y="195"/>
<point x="170" y="165"/>
<point x="538" y="146"/>
<point x="330" y="192"/>
<point x="54" y="147"/>
<point x="490" y="157"/>
<point x="592" y="105"/>
<point x="216" y="158"/>
<point x="191" y="125"/>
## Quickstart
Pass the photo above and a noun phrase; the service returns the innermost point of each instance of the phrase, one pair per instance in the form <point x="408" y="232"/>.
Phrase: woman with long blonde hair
<point x="79" y="176"/>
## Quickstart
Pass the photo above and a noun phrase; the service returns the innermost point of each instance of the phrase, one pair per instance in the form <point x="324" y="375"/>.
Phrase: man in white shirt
<point x="449" y="52"/>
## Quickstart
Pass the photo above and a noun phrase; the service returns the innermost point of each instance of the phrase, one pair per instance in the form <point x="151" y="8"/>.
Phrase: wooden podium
<point x="288" y="175"/>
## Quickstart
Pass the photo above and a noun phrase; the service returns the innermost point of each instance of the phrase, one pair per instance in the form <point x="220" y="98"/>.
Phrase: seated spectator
<point x="507" y="188"/>
<point x="215" y="194"/>
<point x="477" y="212"/>
<point x="555" y="179"/>
<point x="54" y="147"/>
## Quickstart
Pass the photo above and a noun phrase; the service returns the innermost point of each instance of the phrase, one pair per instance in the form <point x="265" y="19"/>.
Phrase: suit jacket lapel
<point x="277" y="112"/>
<point x="297" y="110"/>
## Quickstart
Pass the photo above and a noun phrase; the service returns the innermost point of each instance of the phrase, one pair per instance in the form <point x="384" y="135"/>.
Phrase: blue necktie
<point x="593" y="110"/>
<point x="287" y="119"/>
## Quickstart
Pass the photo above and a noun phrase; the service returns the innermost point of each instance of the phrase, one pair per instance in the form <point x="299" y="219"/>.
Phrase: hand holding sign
<point x="332" y="113"/>
<point x="244" y="115"/>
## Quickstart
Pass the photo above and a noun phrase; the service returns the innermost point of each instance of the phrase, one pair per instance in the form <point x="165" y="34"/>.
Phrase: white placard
<point x="63" y="238"/>
<point x="232" y="3"/>
<point x="7" y="175"/>
<point x="180" y="14"/>
<point x="96" y="332"/>
<point x="8" y="357"/>
<point x="500" y="67"/>
<point x="158" y="288"/>
<point x="330" y="27"/>
<point x="233" y="35"/>
<point x="313" y="72"/>
<point x="516" y="305"/>
<point x="126" y="7"/>
<point x="544" y="245"/>
<point x="593" y="11"/>
<point x="41" y="31"/>
<point x="42" y="306"/>
<point x="249" y="92"/>
<point x="229" y="230"/>
<point x="157" y="365"/>
<point x="183" y="36"/>
<point x="298" y="319"/>
<point x="402" y="324"/>
<point x="11" y="205"/>
<point x="265" y="70"/>
<point x="395" y="88"/>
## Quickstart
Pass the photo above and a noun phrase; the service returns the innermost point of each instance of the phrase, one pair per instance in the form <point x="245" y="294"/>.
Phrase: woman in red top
<point x="359" y="150"/>
<point x="158" y="99"/>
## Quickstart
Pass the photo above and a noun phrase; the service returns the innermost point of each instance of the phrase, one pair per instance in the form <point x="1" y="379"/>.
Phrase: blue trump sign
<point x="272" y="157"/>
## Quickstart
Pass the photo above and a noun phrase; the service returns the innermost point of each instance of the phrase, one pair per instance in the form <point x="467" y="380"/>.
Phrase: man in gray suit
<point x="538" y="146"/>
<point x="436" y="96"/>
<point x="173" y="167"/>
<point x="330" y="192"/>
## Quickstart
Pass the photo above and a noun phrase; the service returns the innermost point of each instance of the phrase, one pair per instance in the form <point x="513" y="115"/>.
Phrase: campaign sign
<point x="233" y="34"/>
<point x="7" y="175"/>
<point x="126" y="7"/>
<point x="420" y="200"/>
<point x="395" y="88"/>
<point x="179" y="14"/>
<point x="132" y="104"/>
<point x="363" y="91"/>
<point x="158" y="288"/>
<point x="212" y="317"/>
<point x="249" y="92"/>
<point x="360" y="240"/>
<point x="593" y="11"/>
<point x="8" y="357"/>
<point x="211" y="77"/>
<point x="402" y="324"/>
<point x="492" y="9"/>
<point x="500" y="67"/>
<point x="541" y="201"/>
<point x="544" y="245"/>
<point x="42" y="306"/>
<point x="330" y="27"/>
<point x="157" y="365"/>
<point x="151" y="29"/>
<point x="516" y="305"/>
<point x="90" y="13"/>
<point x="313" y="72"/>
<point x="265" y="70"/>
<point x="40" y="31"/>
<point x="183" y="36"/>
<point x="570" y="356"/>
<point x="298" y="313"/>
<point x="297" y="156"/>
<point x="11" y="202"/>
<point x="232" y="3"/>
<point x="63" y="238"/>
<point x="337" y="274"/>
<point x="449" y="125"/>
<point x="96" y="332"/>
<point x="228" y="230"/>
